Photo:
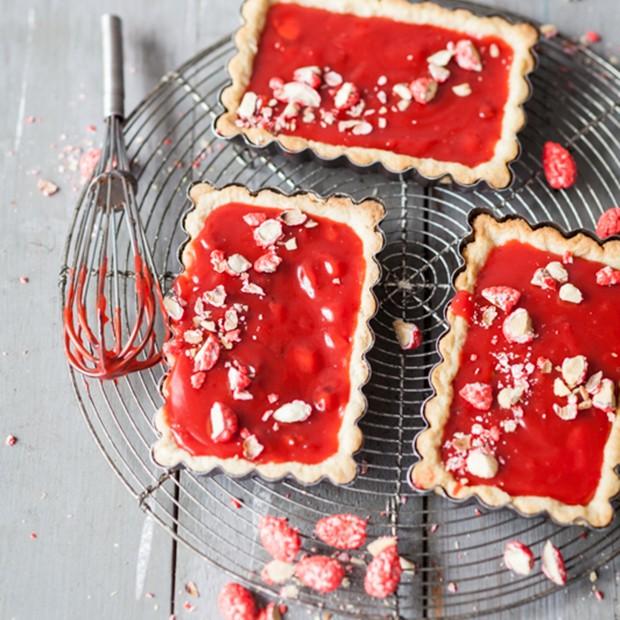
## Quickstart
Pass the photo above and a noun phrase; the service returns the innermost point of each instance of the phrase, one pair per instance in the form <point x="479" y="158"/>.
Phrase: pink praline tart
<point x="525" y="409"/>
<point x="407" y="85"/>
<point x="269" y="321"/>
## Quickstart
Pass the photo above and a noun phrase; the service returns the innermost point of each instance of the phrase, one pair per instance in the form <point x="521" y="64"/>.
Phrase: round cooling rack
<point x="456" y="548"/>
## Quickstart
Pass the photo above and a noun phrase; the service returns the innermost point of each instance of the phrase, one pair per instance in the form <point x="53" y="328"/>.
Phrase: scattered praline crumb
<point x="590" y="37"/>
<point x="47" y="188"/>
<point x="192" y="589"/>
<point x="88" y="163"/>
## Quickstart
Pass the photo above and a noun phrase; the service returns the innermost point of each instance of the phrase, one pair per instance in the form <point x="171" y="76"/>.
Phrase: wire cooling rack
<point x="456" y="548"/>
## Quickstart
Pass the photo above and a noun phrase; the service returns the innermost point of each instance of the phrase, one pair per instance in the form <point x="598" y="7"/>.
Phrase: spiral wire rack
<point x="456" y="548"/>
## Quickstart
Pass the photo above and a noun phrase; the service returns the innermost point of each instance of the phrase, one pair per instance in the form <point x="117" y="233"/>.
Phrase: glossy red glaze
<point x="549" y="456"/>
<point x="101" y="352"/>
<point x="462" y="305"/>
<point x="449" y="128"/>
<point x="298" y="343"/>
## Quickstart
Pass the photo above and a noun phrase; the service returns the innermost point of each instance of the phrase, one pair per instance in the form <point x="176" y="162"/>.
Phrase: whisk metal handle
<point x="113" y="81"/>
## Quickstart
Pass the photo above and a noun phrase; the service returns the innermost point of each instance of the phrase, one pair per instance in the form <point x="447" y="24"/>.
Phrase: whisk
<point x="105" y="338"/>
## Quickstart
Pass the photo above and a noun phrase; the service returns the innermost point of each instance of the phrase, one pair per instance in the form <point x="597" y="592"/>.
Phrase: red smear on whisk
<point x="86" y="351"/>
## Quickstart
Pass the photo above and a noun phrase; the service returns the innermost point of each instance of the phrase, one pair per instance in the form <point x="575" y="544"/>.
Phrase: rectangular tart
<point x="269" y="322"/>
<point x="409" y="86"/>
<point x="524" y="411"/>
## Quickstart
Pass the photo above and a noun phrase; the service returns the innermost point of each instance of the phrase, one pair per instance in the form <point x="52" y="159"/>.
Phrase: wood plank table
<point x="74" y="544"/>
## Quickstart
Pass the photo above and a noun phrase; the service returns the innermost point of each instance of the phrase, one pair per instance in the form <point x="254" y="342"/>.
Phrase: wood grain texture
<point x="90" y="556"/>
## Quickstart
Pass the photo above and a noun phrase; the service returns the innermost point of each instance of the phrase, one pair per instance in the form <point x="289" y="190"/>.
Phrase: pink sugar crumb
<point x="30" y="120"/>
<point x="47" y="188"/>
<point x="24" y="279"/>
<point x="11" y="440"/>
<point x="91" y="128"/>
<point x="590" y="37"/>
<point x="198" y="160"/>
<point x="33" y="536"/>
<point x="88" y="163"/>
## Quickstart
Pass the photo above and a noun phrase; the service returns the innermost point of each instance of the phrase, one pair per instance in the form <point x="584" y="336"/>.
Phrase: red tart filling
<point x="263" y="321"/>
<point x="373" y="82"/>
<point x="535" y="394"/>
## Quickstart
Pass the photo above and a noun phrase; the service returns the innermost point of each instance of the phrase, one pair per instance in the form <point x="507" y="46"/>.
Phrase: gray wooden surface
<point x="74" y="544"/>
